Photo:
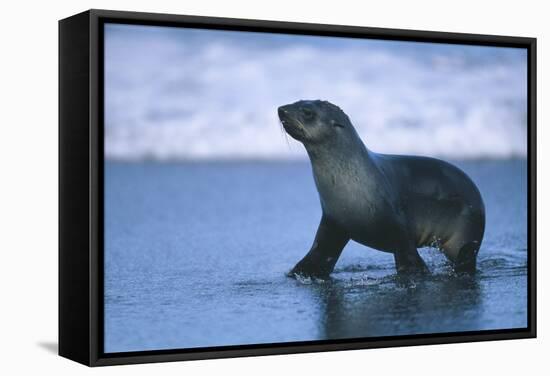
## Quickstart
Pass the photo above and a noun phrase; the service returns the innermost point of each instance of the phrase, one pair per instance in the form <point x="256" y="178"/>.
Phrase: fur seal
<point x="392" y="203"/>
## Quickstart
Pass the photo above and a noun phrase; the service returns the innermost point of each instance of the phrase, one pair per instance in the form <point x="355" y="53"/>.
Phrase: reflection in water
<point x="367" y="308"/>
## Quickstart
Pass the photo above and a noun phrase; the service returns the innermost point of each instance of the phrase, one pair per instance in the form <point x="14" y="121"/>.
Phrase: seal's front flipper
<point x="329" y="242"/>
<point x="409" y="262"/>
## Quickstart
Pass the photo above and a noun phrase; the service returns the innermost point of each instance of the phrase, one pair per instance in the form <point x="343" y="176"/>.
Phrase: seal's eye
<point x="307" y="113"/>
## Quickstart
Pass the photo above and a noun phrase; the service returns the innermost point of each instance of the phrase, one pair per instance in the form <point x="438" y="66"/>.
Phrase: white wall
<point x="28" y="165"/>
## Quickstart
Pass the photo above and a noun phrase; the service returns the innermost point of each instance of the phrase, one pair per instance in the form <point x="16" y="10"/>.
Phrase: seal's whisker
<point x="285" y="134"/>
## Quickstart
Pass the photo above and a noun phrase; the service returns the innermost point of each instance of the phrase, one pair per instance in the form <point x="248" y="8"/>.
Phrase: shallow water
<point x="196" y="255"/>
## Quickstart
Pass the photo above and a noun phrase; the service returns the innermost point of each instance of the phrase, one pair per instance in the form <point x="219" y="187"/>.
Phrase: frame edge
<point x="74" y="246"/>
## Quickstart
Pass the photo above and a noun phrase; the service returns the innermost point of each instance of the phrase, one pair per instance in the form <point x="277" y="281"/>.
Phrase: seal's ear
<point x="336" y="124"/>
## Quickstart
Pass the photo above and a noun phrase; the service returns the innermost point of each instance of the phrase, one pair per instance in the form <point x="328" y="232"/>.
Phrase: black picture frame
<point x="81" y="185"/>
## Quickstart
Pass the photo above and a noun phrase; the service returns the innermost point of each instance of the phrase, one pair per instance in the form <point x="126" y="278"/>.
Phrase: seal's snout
<point x="284" y="112"/>
<point x="289" y="117"/>
<point x="285" y="116"/>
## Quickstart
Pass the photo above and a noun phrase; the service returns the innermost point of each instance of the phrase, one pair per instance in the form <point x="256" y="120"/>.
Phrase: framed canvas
<point x="235" y="187"/>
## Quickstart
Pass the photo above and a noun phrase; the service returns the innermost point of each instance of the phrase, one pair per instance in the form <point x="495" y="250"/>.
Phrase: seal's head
<point x="314" y="122"/>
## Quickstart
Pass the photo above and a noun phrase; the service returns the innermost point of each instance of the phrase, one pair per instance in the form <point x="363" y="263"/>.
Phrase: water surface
<point x="196" y="255"/>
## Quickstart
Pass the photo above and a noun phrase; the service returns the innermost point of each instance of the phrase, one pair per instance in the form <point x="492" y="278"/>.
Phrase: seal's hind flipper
<point x="466" y="259"/>
<point x="409" y="262"/>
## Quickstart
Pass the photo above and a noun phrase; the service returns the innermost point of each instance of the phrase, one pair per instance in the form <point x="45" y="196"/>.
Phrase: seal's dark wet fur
<point x="392" y="203"/>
